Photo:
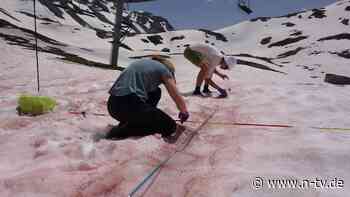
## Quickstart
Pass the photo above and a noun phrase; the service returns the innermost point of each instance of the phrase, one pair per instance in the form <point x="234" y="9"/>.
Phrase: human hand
<point x="183" y="116"/>
<point x="223" y="76"/>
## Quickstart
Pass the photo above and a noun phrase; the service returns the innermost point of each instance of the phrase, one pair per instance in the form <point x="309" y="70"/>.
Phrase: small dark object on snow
<point x="337" y="79"/>
<point x="155" y="39"/>
<point x="166" y="50"/>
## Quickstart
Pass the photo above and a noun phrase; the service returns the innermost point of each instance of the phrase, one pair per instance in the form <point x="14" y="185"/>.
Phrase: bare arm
<point x="174" y="93"/>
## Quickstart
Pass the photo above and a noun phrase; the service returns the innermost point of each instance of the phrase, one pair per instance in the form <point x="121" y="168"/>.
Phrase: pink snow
<point x="53" y="155"/>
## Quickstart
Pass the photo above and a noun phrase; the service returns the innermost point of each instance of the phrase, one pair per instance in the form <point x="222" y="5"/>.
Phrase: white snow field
<point x="53" y="155"/>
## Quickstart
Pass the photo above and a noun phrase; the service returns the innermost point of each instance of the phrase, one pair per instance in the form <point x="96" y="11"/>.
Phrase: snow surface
<point x="54" y="155"/>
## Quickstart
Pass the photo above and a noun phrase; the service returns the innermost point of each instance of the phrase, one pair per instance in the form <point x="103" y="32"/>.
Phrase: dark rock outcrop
<point x="149" y="22"/>
<point x="81" y="10"/>
<point x="343" y="54"/>
<point x="259" y="66"/>
<point x="287" y="41"/>
<point x="262" y="19"/>
<point x="177" y="38"/>
<point x="290" y="53"/>
<point x="218" y="36"/>
<point x="265" y="19"/>
<point x="144" y="40"/>
<point x="337" y="79"/>
<point x="265" y="59"/>
<point x="24" y="37"/>
<point x="345" y="21"/>
<point x="288" y="24"/>
<point x="342" y="36"/>
<point x="167" y="50"/>
<point x="296" y="33"/>
<point x="155" y="39"/>
<point x="266" y="40"/>
<point x="318" y="13"/>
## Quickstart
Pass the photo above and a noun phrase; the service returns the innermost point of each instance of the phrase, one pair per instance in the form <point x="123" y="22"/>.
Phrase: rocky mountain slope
<point x="275" y="44"/>
<point x="280" y="120"/>
<point x="293" y="42"/>
<point x="97" y="15"/>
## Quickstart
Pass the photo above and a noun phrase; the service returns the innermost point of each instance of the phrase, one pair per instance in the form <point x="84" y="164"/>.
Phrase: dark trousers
<point x="137" y="117"/>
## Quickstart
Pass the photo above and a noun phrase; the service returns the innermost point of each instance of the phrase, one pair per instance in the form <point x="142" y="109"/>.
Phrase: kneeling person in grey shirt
<point x="134" y="97"/>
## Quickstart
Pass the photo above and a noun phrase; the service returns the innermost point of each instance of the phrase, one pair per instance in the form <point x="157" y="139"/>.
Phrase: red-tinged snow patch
<point x="53" y="155"/>
<point x="14" y="124"/>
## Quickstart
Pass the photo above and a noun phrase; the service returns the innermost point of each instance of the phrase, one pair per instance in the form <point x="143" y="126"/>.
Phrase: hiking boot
<point x="197" y="93"/>
<point x="171" y="139"/>
<point x="115" y="132"/>
<point x="223" y="93"/>
<point x="207" y="91"/>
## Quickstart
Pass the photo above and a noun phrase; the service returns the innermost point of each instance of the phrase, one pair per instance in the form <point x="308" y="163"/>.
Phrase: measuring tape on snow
<point x="183" y="146"/>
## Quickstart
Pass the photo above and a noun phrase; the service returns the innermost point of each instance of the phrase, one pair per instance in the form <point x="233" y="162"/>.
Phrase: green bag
<point x="35" y="105"/>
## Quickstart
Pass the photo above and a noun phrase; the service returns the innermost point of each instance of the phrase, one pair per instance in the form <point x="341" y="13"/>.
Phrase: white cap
<point x="230" y="61"/>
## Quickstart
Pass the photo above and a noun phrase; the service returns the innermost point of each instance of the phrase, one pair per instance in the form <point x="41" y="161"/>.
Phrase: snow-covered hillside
<point x="79" y="16"/>
<point x="296" y="43"/>
<point x="290" y="124"/>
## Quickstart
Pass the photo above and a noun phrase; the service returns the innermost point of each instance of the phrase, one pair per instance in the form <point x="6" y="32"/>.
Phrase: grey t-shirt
<point x="140" y="77"/>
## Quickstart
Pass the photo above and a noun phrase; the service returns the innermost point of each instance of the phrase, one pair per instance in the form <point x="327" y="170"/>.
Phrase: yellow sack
<point x="35" y="105"/>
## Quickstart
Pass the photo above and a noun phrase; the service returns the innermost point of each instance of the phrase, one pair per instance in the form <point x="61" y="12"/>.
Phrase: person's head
<point x="227" y="62"/>
<point x="170" y="66"/>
